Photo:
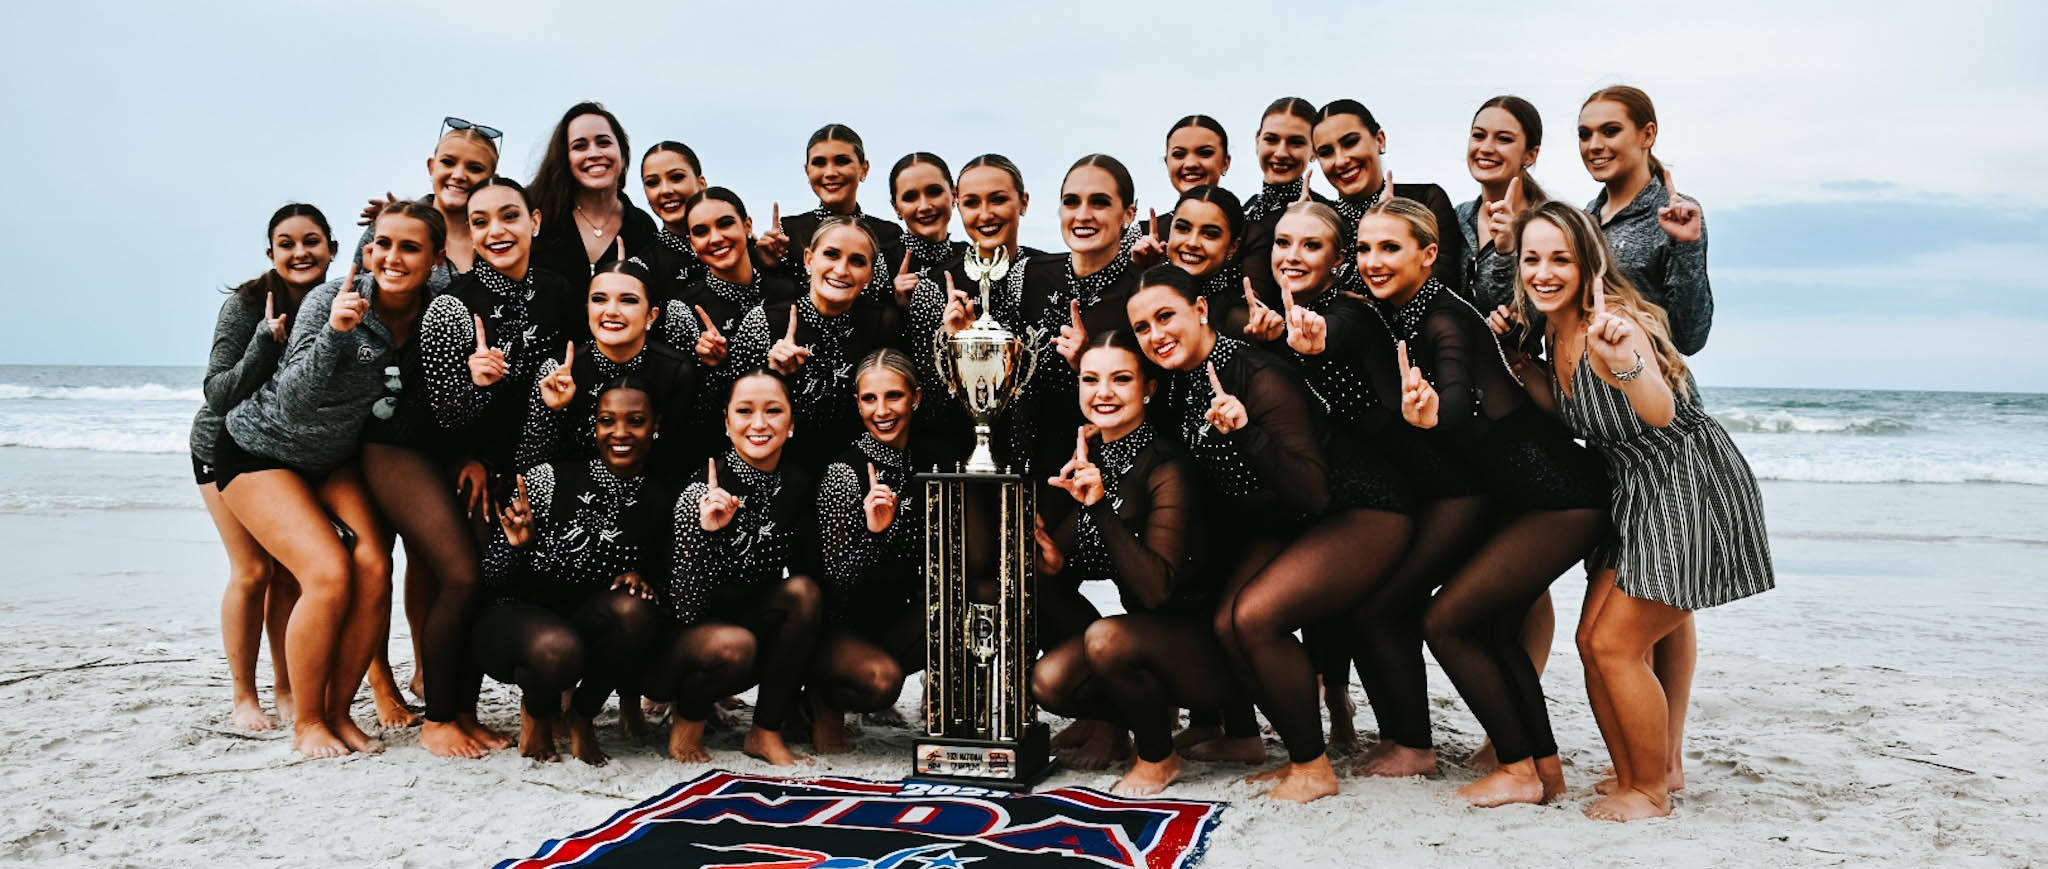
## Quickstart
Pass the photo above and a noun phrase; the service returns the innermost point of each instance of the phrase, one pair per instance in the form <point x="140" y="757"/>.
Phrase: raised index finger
<point x="520" y="482"/>
<point x="1251" y="299"/>
<point x="1401" y="351"/>
<point x="1599" y="297"/>
<point x="569" y="354"/>
<point x="711" y="472"/>
<point x="776" y="221"/>
<point x="1081" y="445"/>
<point x="1307" y="175"/>
<point x="1074" y="307"/>
<point x="1215" y="385"/>
<point x="706" y="317"/>
<point x="1514" y="198"/>
<point x="481" y="344"/>
<point x="874" y="479"/>
<point x="1671" y="187"/>
<point x="269" y="306"/>
<point x="792" y="324"/>
<point x="906" y="263"/>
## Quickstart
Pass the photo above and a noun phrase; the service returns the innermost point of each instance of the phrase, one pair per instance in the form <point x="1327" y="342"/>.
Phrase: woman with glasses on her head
<point x="581" y="187"/>
<point x="464" y="157"/>
<point x="286" y="469"/>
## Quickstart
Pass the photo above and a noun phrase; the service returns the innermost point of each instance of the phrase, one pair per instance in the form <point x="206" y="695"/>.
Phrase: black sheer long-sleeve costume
<point x="726" y="303"/>
<point x="1287" y="510"/>
<point x="553" y="617"/>
<point x="878" y="298"/>
<point x="821" y="390"/>
<point x="1450" y="246"/>
<point x="874" y="582"/>
<point x="1021" y="305"/>
<point x="1553" y="494"/>
<point x="744" y="598"/>
<point x="673" y="379"/>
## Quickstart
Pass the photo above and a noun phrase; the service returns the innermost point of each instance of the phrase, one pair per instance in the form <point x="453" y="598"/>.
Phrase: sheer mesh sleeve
<point x="1472" y="382"/>
<point x="1149" y="560"/>
<point x="1284" y="439"/>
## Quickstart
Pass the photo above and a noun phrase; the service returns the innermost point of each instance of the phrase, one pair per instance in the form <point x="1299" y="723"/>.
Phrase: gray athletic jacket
<point x="1672" y="275"/>
<point x="243" y="357"/>
<point x="311" y="413"/>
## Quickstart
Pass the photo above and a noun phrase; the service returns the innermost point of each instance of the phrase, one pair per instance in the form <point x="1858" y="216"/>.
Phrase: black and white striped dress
<point x="1688" y="519"/>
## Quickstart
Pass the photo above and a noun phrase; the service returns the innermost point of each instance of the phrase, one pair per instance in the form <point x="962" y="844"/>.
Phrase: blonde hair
<point x="1421" y="221"/>
<point x="1589" y="249"/>
<point x="1321" y="212"/>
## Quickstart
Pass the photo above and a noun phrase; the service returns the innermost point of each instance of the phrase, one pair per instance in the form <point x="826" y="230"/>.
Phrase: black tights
<point x="777" y="631"/>
<point x="1386" y="633"/>
<point x="1326" y="569"/>
<point x="418" y="500"/>
<point x="858" y="672"/>
<point x="1147" y="665"/>
<point x="1474" y="624"/>
<point x="545" y="654"/>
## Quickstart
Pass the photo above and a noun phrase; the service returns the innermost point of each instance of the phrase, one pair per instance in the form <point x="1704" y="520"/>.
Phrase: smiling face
<point x="1283" y="148"/>
<point x="1610" y="144"/>
<point x="300" y="252"/>
<point x="625" y="429"/>
<point x="835" y="171"/>
<point x="669" y="182"/>
<point x="1497" y="149"/>
<point x="1169" y="328"/>
<point x="990" y="207"/>
<point x="885" y="400"/>
<point x="459" y="164"/>
<point x="502" y="229"/>
<point x="719" y="236"/>
<point x="757" y="419"/>
<point x="1092" y="213"/>
<point x="619" y="311"/>
<point x="1349" y="154"/>
<point x="1304" y="254"/>
<point x="1550" y="268"/>
<point x="594" y="155"/>
<point x="1194" y="157"/>
<point x="1393" y="263"/>
<point x="841" y="261"/>
<point x="1199" y="240"/>
<point x="402" y="253"/>
<point x="924" y="200"/>
<point x="1113" y="390"/>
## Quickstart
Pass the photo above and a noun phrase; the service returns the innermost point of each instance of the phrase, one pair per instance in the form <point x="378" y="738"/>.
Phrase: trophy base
<point x="998" y="765"/>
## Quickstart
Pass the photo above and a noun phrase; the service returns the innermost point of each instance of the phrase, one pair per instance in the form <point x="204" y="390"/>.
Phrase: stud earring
<point x="1205" y="320"/>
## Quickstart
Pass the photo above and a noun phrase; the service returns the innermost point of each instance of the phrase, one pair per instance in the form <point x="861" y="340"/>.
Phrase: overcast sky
<point x="1865" y="170"/>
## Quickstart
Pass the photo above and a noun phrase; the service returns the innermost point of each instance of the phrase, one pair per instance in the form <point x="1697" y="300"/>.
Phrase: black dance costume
<point x="874" y="583"/>
<point x="1255" y="251"/>
<point x="1450" y="246"/>
<point x="1052" y="398"/>
<point x="553" y="617"/>
<point x="673" y="380"/>
<point x="944" y="430"/>
<point x="1288" y="507"/>
<point x="822" y="388"/>
<point x="743" y="598"/>
<point x="1553" y="494"/>
<point x="726" y="302"/>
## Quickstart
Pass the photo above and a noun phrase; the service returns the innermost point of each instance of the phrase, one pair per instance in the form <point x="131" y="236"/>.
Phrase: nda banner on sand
<point x="733" y="821"/>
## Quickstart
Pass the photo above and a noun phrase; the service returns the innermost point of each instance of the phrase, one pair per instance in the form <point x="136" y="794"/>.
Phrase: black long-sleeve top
<point x="559" y="249"/>
<point x="590" y="527"/>
<point x="1450" y="250"/>
<point x="821" y="390"/>
<point x="726" y="302"/>
<point x="772" y="536"/>
<point x="1670" y="274"/>
<point x="524" y="319"/>
<point x="1272" y="473"/>
<point x="870" y="575"/>
<point x="1255" y="251"/>
<point x="1143" y="533"/>
<point x="1053" y="402"/>
<point x="554" y="435"/>
<point x="879" y="296"/>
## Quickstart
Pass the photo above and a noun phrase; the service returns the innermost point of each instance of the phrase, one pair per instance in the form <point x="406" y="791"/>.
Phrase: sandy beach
<point x="1881" y="706"/>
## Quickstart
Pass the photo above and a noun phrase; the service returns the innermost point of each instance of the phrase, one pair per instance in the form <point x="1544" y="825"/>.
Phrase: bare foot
<point x="447" y="739"/>
<point x="1105" y="746"/>
<point x="1228" y="749"/>
<point x="1674" y="781"/>
<point x="767" y="745"/>
<point x="248" y="715"/>
<point x="1550" y="771"/>
<point x="1389" y="759"/>
<point x="1147" y="778"/>
<point x="633" y="722"/>
<point x="287" y="710"/>
<point x="392" y="713"/>
<point x="1191" y="736"/>
<point x="1303" y="782"/>
<point x="583" y="739"/>
<point x="536" y="738"/>
<point x="1514" y="783"/>
<point x="490" y="739"/>
<point x="828" y="728"/>
<point x="418" y="685"/>
<point x="1484" y="760"/>
<point x="353" y="736"/>
<point x="316" y="741"/>
<point x="686" y="741"/>
<point x="1275" y="774"/>
<point x="1628" y="805"/>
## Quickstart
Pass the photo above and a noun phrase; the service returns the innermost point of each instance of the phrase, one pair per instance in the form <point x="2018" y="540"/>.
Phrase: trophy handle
<point x="1032" y="348"/>
<point x="939" y="361"/>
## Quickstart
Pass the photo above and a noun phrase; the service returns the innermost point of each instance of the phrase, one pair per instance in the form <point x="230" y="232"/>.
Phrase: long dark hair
<point x="270" y="283"/>
<point x="554" y="185"/>
<point x="1526" y="117"/>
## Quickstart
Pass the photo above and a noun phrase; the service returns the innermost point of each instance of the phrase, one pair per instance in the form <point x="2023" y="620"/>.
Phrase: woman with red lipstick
<point x="1350" y="147"/>
<point x="741" y="583"/>
<point x="671" y="176"/>
<point x="1287" y="502"/>
<point x="921" y="188"/>
<point x="582" y="543"/>
<point x="581" y="187"/>
<point x="871" y="539"/>
<point x="1197" y="155"/>
<point x="835" y="164"/>
<point x="1550" y="496"/>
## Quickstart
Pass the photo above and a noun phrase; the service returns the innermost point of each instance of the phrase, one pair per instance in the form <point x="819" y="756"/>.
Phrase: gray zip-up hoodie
<point x="243" y="357"/>
<point x="311" y="413"/>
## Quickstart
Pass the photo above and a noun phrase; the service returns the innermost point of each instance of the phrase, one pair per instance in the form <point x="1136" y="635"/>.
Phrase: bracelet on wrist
<point x="1633" y="373"/>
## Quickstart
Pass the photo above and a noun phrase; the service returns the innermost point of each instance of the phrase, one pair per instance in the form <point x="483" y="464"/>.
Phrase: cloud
<point x="1858" y="185"/>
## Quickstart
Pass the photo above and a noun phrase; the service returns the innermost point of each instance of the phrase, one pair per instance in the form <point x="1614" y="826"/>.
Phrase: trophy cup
<point x="981" y="727"/>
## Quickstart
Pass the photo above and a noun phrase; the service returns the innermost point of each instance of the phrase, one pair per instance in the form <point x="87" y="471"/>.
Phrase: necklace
<point x="596" y="229"/>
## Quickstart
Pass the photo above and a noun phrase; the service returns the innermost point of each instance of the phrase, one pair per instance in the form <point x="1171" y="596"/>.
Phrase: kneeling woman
<point x="576" y="610"/>
<point x="1550" y="493"/>
<point x="1290" y="505"/>
<point x="871" y="526"/>
<point x="1135" y="524"/>
<point x="740" y="582"/>
<point x="1621" y="384"/>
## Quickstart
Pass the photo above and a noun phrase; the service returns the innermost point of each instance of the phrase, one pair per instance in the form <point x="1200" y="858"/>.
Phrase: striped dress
<point x="1688" y="519"/>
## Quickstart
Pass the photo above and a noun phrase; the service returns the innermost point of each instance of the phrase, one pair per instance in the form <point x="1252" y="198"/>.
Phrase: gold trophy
<point x="981" y="727"/>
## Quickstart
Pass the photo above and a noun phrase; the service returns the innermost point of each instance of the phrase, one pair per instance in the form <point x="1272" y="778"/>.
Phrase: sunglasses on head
<point x="454" y="123"/>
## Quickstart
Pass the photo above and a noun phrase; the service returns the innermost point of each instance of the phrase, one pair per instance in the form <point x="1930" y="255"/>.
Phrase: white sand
<point x="1826" y="720"/>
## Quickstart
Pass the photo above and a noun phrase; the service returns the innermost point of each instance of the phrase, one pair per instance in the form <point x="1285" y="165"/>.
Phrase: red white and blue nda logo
<point x="731" y="821"/>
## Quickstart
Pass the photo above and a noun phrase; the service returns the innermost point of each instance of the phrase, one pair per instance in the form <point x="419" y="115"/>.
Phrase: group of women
<point x="672" y="453"/>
